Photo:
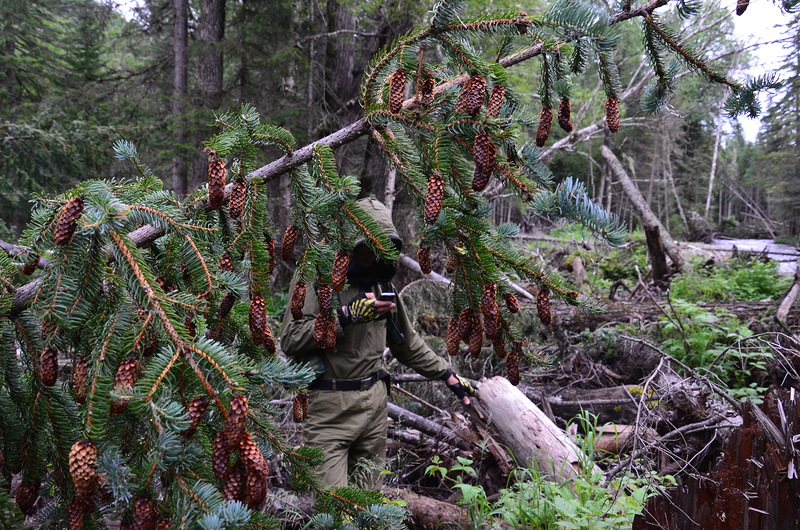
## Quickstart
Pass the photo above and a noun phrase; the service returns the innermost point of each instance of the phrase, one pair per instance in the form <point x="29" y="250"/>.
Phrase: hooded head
<point x="364" y="268"/>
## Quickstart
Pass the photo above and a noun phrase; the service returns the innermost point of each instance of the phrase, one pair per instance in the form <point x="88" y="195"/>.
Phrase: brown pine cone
<point x="48" y="367"/>
<point x="450" y="264"/>
<point x="397" y="90"/>
<point x="252" y="457"/>
<point x="83" y="466"/>
<point x="255" y="490"/>
<point x="269" y="341"/>
<point x="269" y="243"/>
<point x="236" y="421"/>
<point x="466" y="320"/>
<point x="545" y="123"/>
<point x="220" y="456"/>
<point x="324" y="297"/>
<point x="298" y="300"/>
<point x="322" y="331"/>
<point x="258" y="319"/>
<point x="26" y="495"/>
<point x="30" y="267"/>
<point x="68" y="221"/>
<point x="80" y="376"/>
<point x="496" y="98"/>
<point x="163" y="524"/>
<point x="237" y="198"/>
<point x="289" y="240"/>
<point x="330" y="334"/>
<point x="564" y="114"/>
<point x="191" y="328"/>
<point x="124" y="379"/>
<point x="424" y="259"/>
<point x="485" y="155"/>
<point x="741" y="6"/>
<point x="425" y="88"/>
<point x="612" y="114"/>
<point x="543" y="306"/>
<point x="491" y="324"/>
<point x="216" y="183"/>
<point x="145" y="513"/>
<point x="297" y="409"/>
<point x="489" y="297"/>
<point x="470" y="99"/>
<point x="512" y="303"/>
<point x="512" y="365"/>
<point x="499" y="344"/>
<point x="476" y="338"/>
<point x="226" y="263"/>
<point x="196" y="409"/>
<point x="339" y="274"/>
<point x="226" y="305"/>
<point x="480" y="179"/>
<point x="75" y="515"/>
<point x="453" y="340"/>
<point x="234" y="486"/>
<point x="434" y="197"/>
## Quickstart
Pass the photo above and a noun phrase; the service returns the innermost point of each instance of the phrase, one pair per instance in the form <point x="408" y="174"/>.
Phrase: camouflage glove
<point x="359" y="310"/>
<point x="462" y="388"/>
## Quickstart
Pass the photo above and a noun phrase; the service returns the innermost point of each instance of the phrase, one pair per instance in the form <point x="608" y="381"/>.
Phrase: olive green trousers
<point x="349" y="426"/>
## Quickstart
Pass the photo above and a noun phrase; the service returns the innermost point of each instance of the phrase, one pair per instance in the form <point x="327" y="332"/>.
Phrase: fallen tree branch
<point x="427" y="426"/>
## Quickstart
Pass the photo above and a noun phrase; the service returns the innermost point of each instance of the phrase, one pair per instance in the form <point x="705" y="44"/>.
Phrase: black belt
<point x="350" y="384"/>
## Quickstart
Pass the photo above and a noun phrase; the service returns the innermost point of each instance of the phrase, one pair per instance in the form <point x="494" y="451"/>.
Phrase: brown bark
<point x="430" y="514"/>
<point x="180" y="33"/>
<point x="209" y="67"/>
<point x="782" y="313"/>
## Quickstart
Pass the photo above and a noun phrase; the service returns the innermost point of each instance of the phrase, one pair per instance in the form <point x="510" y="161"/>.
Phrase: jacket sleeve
<point x="415" y="353"/>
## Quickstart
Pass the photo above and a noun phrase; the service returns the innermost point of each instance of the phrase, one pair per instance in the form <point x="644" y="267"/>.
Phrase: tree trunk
<point x="714" y="157"/>
<point x="209" y="68"/>
<point x="180" y="34"/>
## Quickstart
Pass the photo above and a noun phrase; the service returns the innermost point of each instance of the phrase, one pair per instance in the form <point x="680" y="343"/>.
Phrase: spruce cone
<point x="68" y="221"/>
<point x="466" y="321"/>
<point x="83" y="466"/>
<point x="325" y="296"/>
<point x="339" y="274"/>
<point x="425" y="88"/>
<point x="499" y="344"/>
<point x="299" y="300"/>
<point x="196" y="409"/>
<point x="297" y="409"/>
<point x="226" y="263"/>
<point x="26" y="495"/>
<point x="450" y="264"/>
<point x="741" y="6"/>
<point x="220" y="456"/>
<point x="322" y="331"/>
<point x="484" y="153"/>
<point x="489" y="297"/>
<point x="543" y="306"/>
<point x="453" y="340"/>
<point x="512" y="303"/>
<point x="269" y="341"/>
<point x="289" y="240"/>
<point x="48" y="367"/>
<point x="80" y="375"/>
<point x="252" y="457"/>
<point x="258" y="319"/>
<point x="612" y="114"/>
<point x="237" y="198"/>
<point x="75" y="515"/>
<point x="424" y="259"/>
<point x="480" y="179"/>
<point x="190" y="326"/>
<point x="476" y="338"/>
<point x="470" y="99"/>
<point x="30" y="267"/>
<point x="512" y="365"/>
<point x="434" y="197"/>
<point x="564" y="114"/>
<point x="256" y="490"/>
<point x="491" y="324"/>
<point x="234" y="487"/>
<point x="226" y="305"/>
<point x="125" y="378"/>
<point x="545" y="122"/>
<point x="145" y="514"/>
<point x="216" y="183"/>
<point x="496" y="98"/>
<point x="269" y="243"/>
<point x="236" y="421"/>
<point x="397" y="90"/>
<point x="164" y="524"/>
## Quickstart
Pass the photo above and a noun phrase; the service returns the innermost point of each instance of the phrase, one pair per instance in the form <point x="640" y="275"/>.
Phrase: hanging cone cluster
<point x="543" y="306"/>
<point x="339" y="275"/>
<point x="83" y="466"/>
<point x="220" y="456"/>
<point x="80" y="375"/>
<point x="425" y="86"/>
<point x="470" y="99"/>
<point x="741" y="6"/>
<point x="289" y="240"/>
<point x="484" y="153"/>
<point x="491" y="314"/>
<point x="68" y="221"/>
<point x="424" y="259"/>
<point x="499" y="344"/>
<point x="234" y="486"/>
<point x="48" y="367"/>
<point x="226" y="305"/>
<point x="545" y="123"/>
<point x="145" y="513"/>
<point x="300" y="406"/>
<point x="216" y="183"/>
<point x="496" y="97"/>
<point x="612" y="114"/>
<point x="466" y="321"/>
<point x="26" y="495"/>
<point x="75" y="514"/>
<point x="434" y="197"/>
<point x="512" y="364"/>
<point x="30" y="267"/>
<point x="269" y="243"/>
<point x="237" y="198"/>
<point x="258" y="319"/>
<point x="325" y="297"/>
<point x="226" y="263"/>
<point x="124" y="379"/>
<point x="325" y="331"/>
<point x="565" y="114"/>
<point x="251" y="455"/>
<point x="196" y="409"/>
<point x="397" y="90"/>
<point x="298" y="300"/>
<point x="512" y="304"/>
<point x="255" y="490"/>
<point x="236" y="421"/>
<point x="453" y="339"/>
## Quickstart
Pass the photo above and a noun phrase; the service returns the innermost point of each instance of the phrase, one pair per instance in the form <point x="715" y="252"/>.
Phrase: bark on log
<point x="427" y="426"/>
<point x="528" y="433"/>
<point x="429" y="514"/>
<point x="782" y="313"/>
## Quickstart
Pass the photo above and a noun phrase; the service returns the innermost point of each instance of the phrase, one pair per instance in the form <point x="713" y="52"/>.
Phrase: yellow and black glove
<point x="359" y="310"/>
<point x="462" y="388"/>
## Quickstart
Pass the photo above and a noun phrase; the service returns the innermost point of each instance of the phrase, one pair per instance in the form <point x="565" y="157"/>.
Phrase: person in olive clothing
<point x="348" y="400"/>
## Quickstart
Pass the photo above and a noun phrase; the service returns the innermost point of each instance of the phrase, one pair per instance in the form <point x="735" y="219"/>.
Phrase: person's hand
<point x="364" y="307"/>
<point x="460" y="386"/>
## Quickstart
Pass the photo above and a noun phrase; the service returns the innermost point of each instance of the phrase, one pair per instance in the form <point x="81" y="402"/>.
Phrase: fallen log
<point x="429" y="514"/>
<point x="427" y="426"/>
